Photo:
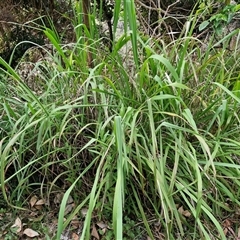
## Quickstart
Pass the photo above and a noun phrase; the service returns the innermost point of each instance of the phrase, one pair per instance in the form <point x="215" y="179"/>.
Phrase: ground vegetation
<point x="142" y="142"/>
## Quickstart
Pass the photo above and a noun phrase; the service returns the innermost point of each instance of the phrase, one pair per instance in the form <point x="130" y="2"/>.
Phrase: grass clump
<point x="150" y="148"/>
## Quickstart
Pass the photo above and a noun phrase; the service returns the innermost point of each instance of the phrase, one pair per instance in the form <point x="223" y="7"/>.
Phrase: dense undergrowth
<point x="151" y="138"/>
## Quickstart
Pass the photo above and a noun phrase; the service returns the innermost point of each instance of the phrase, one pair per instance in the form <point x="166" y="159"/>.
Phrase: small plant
<point x="221" y="19"/>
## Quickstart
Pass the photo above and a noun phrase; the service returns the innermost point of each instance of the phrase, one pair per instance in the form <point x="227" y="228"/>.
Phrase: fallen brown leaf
<point x="185" y="213"/>
<point x="102" y="225"/>
<point x="39" y="207"/>
<point x="58" y="198"/>
<point x="225" y="231"/>
<point x="84" y="212"/>
<point x="33" y="214"/>
<point x="94" y="232"/>
<point x="70" y="200"/>
<point x="75" y="223"/>
<point x="33" y="200"/>
<point x="227" y="223"/>
<point x="75" y="236"/>
<point x="17" y="224"/>
<point x="40" y="202"/>
<point x="68" y="209"/>
<point x="30" y="233"/>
